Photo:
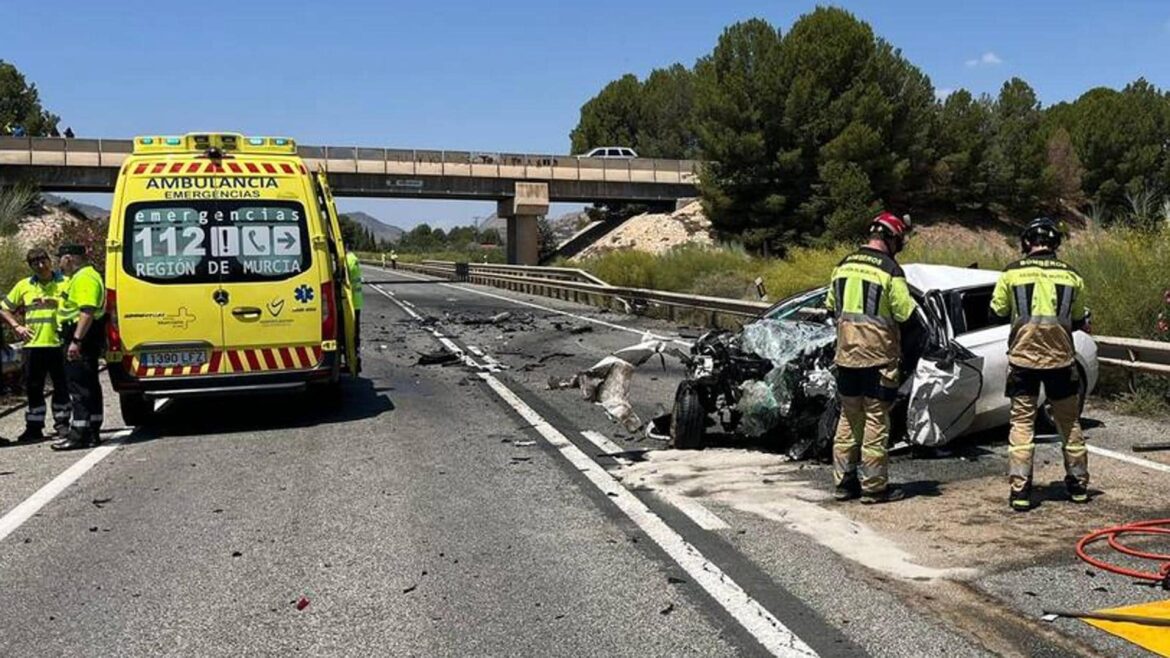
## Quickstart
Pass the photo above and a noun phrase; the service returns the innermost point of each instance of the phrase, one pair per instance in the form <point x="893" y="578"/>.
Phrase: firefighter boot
<point x="1077" y="492"/>
<point x="849" y="488"/>
<point x="1021" y="501"/>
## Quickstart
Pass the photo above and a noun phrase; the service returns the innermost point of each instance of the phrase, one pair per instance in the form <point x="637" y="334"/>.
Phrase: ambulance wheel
<point x="688" y="418"/>
<point x="136" y="409"/>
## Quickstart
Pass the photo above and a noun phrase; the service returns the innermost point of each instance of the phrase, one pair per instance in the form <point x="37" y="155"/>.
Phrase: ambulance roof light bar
<point x="223" y="142"/>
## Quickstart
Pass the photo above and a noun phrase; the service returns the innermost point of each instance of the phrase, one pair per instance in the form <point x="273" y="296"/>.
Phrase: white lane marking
<point x="33" y="504"/>
<point x="607" y="446"/>
<point x="693" y="509"/>
<point x="487" y="358"/>
<point x="696" y="511"/>
<point x="446" y="342"/>
<point x="755" y="618"/>
<point x="1121" y="456"/>
<point x="640" y="332"/>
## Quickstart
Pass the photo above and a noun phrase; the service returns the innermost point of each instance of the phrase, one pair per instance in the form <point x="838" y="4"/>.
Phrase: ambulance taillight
<point x="113" y="335"/>
<point x="328" y="312"/>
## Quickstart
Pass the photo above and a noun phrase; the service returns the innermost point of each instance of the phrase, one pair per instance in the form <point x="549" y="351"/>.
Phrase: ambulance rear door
<point x="168" y="316"/>
<point x="272" y="285"/>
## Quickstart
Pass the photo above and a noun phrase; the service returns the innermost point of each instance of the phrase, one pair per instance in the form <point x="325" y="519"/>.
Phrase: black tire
<point x="688" y="418"/>
<point x="137" y="411"/>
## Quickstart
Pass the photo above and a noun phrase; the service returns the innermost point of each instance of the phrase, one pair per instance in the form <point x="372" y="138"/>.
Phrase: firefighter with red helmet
<point x="869" y="299"/>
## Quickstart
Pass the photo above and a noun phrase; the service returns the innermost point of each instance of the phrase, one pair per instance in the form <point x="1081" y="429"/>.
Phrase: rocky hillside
<point x="656" y="232"/>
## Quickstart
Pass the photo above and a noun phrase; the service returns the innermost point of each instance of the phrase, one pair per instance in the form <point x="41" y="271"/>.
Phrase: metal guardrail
<point x="1133" y="354"/>
<point x="580" y="286"/>
<point x="57" y="151"/>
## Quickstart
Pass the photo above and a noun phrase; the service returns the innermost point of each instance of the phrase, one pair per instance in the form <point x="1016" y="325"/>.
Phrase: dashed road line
<point x="443" y="340"/>
<point x="757" y="620"/>
<point x="43" y="496"/>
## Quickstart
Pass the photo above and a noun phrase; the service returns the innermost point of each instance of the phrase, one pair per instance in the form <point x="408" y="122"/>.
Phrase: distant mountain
<point x="382" y="232"/>
<point x="90" y="211"/>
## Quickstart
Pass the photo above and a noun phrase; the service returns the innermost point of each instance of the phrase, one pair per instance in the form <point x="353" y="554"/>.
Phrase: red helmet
<point x="890" y="224"/>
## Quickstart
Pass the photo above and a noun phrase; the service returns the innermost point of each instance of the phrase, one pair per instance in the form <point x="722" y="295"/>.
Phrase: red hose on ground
<point x="1111" y="535"/>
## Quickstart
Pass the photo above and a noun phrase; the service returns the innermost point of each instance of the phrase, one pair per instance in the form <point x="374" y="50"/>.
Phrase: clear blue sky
<point x="502" y="75"/>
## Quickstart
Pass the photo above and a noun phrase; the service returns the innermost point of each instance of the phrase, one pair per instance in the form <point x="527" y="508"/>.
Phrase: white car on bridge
<point x="611" y="153"/>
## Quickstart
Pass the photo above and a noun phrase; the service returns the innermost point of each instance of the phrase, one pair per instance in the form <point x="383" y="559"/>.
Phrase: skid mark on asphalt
<point x="43" y="496"/>
<point x="769" y="486"/>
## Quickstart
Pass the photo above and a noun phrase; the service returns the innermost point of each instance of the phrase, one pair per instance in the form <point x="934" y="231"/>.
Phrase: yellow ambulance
<point x="225" y="273"/>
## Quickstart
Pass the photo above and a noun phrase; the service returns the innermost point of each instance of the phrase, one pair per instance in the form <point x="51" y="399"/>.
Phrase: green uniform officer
<point x="355" y="285"/>
<point x="81" y="319"/>
<point x="1044" y="297"/>
<point x="37" y="299"/>
<point x="869" y="298"/>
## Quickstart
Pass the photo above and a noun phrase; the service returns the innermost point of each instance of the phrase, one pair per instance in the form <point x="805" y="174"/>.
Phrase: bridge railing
<point x="54" y="151"/>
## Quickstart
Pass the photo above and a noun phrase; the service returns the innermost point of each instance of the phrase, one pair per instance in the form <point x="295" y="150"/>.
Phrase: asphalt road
<point x="466" y="509"/>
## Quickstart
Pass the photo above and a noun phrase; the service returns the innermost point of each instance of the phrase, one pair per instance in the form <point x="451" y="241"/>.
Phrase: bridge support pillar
<point x="522" y="211"/>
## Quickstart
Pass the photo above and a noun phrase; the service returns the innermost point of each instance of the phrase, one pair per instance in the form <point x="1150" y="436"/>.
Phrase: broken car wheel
<point x="688" y="418"/>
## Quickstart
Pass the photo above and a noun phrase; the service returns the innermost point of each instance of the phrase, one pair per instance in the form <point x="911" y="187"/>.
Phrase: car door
<point x="946" y="385"/>
<point x="340" y="271"/>
<point x="985" y="335"/>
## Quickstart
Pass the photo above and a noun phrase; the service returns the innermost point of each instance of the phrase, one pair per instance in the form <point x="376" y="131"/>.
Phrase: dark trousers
<point x="85" y="388"/>
<point x="39" y="363"/>
<point x="357" y="338"/>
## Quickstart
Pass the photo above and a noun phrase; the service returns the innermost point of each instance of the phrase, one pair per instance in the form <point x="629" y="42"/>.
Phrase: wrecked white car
<point x="774" y="380"/>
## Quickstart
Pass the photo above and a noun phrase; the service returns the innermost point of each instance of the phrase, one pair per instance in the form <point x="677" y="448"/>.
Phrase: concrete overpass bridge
<point x="522" y="184"/>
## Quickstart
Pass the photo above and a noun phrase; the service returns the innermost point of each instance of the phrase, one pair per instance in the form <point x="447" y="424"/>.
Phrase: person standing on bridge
<point x="869" y="298"/>
<point x="1044" y="297"/>
<point x="81" y="318"/>
<point x="354" y="266"/>
<point x="37" y="298"/>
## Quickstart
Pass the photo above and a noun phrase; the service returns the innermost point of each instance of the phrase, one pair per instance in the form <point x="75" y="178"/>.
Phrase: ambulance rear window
<point x="215" y="241"/>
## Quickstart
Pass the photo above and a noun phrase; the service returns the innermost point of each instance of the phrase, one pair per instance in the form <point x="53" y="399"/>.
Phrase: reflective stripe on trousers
<point x="863" y="432"/>
<point x="1023" y="448"/>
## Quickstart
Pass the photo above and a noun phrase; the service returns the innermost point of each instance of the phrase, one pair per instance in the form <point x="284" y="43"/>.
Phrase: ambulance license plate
<point x="173" y="358"/>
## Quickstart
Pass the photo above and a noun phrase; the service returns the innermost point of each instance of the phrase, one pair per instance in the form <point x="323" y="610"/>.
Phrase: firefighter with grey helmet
<point x="869" y="299"/>
<point x="1044" y="297"/>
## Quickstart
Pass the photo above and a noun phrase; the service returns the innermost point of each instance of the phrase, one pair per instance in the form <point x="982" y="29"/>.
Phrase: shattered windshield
<point x="790" y="308"/>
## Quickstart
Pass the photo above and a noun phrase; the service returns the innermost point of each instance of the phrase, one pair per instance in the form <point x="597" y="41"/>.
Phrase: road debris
<point x="1140" y="447"/>
<point x="302" y="603"/>
<point x="438" y="358"/>
<point x="100" y="502"/>
<point x="607" y="382"/>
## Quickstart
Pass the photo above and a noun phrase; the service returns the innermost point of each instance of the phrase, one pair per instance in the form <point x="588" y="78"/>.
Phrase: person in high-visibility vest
<point x="81" y="321"/>
<point x="1045" y="298"/>
<point x="869" y="298"/>
<point x="37" y="298"/>
<point x="355" y="285"/>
